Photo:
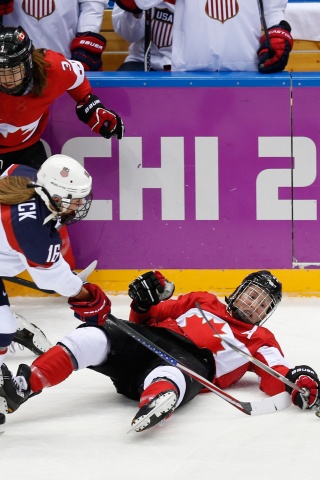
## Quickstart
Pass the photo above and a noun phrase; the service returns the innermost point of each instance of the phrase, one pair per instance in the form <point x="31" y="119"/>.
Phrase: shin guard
<point x="51" y="368"/>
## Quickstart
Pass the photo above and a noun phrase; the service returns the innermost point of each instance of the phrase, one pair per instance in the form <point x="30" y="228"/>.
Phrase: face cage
<point x="79" y="214"/>
<point x="26" y="80"/>
<point x="240" y="313"/>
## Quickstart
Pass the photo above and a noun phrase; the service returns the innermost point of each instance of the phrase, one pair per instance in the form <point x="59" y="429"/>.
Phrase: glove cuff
<point x="285" y="25"/>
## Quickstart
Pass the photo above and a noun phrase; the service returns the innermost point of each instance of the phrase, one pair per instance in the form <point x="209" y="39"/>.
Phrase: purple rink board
<point x="306" y="125"/>
<point x="186" y="186"/>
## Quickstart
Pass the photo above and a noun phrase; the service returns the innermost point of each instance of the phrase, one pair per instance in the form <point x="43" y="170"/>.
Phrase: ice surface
<point x="77" y="430"/>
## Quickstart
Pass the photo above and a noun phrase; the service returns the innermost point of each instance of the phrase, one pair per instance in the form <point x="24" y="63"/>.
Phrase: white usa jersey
<point x="133" y="30"/>
<point x="218" y="35"/>
<point x="53" y="24"/>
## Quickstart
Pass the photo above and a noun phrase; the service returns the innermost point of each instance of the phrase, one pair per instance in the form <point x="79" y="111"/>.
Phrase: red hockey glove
<point x="94" y="312"/>
<point x="128" y="5"/>
<point x="304" y="377"/>
<point x="91" y="111"/>
<point x="87" y="48"/>
<point x="281" y="43"/>
<point x="149" y="289"/>
<point x="6" y="6"/>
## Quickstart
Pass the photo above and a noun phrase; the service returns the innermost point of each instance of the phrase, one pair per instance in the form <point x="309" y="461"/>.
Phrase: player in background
<point x="33" y="204"/>
<point x="30" y="81"/>
<point x="131" y="26"/>
<point x="177" y="327"/>
<point x="70" y="27"/>
<point x="219" y="35"/>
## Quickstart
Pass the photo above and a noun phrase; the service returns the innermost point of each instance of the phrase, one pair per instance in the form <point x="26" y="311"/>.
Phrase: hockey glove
<point x="87" y="48"/>
<point x="101" y="120"/>
<point x="149" y="289"/>
<point x="281" y="43"/>
<point x="6" y="6"/>
<point x="306" y="378"/>
<point x="94" y="312"/>
<point x="128" y="6"/>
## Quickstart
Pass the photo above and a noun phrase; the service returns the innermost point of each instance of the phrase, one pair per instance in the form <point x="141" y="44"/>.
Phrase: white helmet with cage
<point x="60" y="180"/>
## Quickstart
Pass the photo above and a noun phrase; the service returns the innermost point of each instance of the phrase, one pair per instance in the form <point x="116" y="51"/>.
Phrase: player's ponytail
<point x="14" y="190"/>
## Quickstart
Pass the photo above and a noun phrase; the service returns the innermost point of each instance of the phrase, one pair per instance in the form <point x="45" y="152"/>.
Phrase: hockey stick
<point x="147" y="41"/>
<point x="262" y="407"/>
<point x="265" y="29"/>
<point x="304" y="391"/>
<point x="251" y="359"/>
<point x="27" y="283"/>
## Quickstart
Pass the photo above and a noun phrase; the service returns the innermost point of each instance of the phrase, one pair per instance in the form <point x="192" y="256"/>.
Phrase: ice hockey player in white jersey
<point x="178" y="327"/>
<point x="225" y="35"/>
<point x="131" y="26"/>
<point x="33" y="204"/>
<point x="69" y="27"/>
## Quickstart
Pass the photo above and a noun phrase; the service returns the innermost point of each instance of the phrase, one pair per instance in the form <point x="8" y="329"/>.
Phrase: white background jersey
<point x="211" y="35"/>
<point x="53" y="24"/>
<point x="133" y="30"/>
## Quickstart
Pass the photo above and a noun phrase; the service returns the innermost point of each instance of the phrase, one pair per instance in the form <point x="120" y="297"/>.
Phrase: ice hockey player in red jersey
<point x="30" y="81"/>
<point x="176" y="326"/>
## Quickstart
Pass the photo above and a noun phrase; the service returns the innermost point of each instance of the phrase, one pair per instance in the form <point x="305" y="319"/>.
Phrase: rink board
<point x="220" y="282"/>
<point x="217" y="175"/>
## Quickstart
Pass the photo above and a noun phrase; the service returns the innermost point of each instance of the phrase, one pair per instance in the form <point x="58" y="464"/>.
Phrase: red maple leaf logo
<point x="198" y="330"/>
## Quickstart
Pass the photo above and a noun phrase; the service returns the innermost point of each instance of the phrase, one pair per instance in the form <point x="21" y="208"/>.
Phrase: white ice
<point x="78" y="429"/>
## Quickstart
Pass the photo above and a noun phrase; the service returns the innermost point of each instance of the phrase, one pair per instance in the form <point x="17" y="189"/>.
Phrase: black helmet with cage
<point x="15" y="56"/>
<point x="266" y="297"/>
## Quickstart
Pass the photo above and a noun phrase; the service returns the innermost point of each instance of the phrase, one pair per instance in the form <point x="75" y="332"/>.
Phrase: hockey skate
<point x="13" y="390"/>
<point x="157" y="403"/>
<point x="30" y="336"/>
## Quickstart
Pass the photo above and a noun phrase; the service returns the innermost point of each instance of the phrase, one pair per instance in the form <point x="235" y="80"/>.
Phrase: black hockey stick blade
<point x="262" y="407"/>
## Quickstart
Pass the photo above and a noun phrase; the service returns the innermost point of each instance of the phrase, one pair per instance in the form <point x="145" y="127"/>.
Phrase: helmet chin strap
<point x="54" y="204"/>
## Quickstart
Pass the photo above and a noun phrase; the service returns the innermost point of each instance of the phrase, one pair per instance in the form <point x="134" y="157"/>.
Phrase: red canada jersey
<point x="182" y="316"/>
<point x="23" y="118"/>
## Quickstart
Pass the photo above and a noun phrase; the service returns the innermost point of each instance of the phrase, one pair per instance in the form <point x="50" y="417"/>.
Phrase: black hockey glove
<point x="306" y="378"/>
<point x="149" y="289"/>
<point x="101" y="120"/>
<point x="128" y="6"/>
<point x="281" y="43"/>
<point x="87" y="48"/>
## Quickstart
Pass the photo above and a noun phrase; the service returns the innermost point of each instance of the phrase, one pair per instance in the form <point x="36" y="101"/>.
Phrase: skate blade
<point x="154" y="412"/>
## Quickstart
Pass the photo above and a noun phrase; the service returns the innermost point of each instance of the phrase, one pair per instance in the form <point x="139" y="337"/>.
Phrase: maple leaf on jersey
<point x="200" y="332"/>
